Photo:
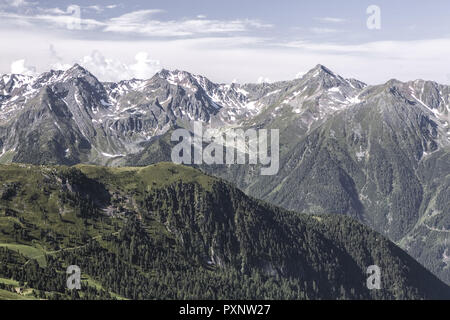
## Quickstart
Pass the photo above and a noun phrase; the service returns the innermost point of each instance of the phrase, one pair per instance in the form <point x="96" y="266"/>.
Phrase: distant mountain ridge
<point x="108" y="120"/>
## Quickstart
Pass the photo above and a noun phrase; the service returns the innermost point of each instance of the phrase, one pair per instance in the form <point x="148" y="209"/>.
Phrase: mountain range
<point x="377" y="153"/>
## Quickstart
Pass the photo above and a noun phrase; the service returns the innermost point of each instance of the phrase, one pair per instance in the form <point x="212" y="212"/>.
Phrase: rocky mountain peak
<point x="177" y="77"/>
<point x="323" y="78"/>
<point x="320" y="71"/>
<point x="77" y="71"/>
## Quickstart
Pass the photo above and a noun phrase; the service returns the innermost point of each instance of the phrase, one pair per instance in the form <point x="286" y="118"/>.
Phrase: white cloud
<point x="262" y="79"/>
<point x="55" y="11"/>
<point x="142" y="22"/>
<point x="60" y="66"/>
<point x="18" y="3"/>
<point x="108" y="69"/>
<point x="416" y="49"/>
<point x="331" y="20"/>
<point x="51" y="17"/>
<point x="95" y="8"/>
<point x="104" y="68"/>
<point x="19" y="67"/>
<point x="144" y="66"/>
<point x="99" y="8"/>
<point x="317" y="30"/>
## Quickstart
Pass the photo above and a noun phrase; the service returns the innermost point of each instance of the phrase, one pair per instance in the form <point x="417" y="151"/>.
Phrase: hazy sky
<point x="232" y="40"/>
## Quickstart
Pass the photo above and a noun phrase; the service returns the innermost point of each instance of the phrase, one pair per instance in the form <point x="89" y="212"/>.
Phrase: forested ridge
<point x="172" y="232"/>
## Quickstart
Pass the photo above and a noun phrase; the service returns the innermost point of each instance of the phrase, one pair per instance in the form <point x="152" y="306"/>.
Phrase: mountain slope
<point x="376" y="153"/>
<point x="379" y="154"/>
<point x="169" y="231"/>
<point x="383" y="161"/>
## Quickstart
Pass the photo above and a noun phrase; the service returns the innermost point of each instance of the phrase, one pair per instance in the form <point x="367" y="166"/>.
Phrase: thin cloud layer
<point x="113" y="41"/>
<point x="140" y="22"/>
<point x="331" y="20"/>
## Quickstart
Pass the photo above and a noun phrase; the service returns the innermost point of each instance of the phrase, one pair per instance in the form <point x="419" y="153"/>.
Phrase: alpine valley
<point x="85" y="179"/>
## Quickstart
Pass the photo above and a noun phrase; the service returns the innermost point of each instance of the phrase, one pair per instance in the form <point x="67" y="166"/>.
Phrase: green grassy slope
<point x="171" y="232"/>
